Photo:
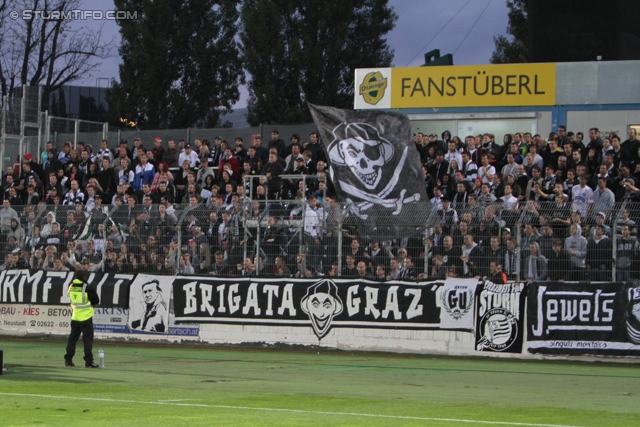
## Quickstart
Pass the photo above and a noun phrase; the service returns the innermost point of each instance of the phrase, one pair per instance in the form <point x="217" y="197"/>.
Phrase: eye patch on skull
<point x="370" y="151"/>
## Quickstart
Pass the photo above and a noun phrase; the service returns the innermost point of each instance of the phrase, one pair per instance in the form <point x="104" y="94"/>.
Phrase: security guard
<point x="83" y="298"/>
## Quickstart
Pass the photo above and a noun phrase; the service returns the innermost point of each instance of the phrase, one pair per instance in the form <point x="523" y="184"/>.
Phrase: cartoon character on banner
<point x="322" y="304"/>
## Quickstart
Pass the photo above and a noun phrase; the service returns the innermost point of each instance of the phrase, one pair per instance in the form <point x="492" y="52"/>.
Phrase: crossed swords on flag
<point x="372" y="199"/>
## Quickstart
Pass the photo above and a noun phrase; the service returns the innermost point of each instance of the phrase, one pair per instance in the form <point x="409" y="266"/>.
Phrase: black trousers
<point x="86" y="329"/>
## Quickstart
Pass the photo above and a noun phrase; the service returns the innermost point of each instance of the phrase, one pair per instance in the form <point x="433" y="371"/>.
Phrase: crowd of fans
<point x="184" y="208"/>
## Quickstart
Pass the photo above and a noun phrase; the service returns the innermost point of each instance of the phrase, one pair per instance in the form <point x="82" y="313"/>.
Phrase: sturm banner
<point x="500" y="317"/>
<point x="322" y="304"/>
<point x="584" y="318"/>
<point x="50" y="287"/>
<point x="375" y="167"/>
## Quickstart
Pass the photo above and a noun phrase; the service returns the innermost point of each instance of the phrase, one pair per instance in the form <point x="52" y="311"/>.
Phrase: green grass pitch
<point x="160" y="385"/>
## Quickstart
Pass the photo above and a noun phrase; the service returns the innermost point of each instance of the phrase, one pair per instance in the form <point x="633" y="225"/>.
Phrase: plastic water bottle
<point x="101" y="357"/>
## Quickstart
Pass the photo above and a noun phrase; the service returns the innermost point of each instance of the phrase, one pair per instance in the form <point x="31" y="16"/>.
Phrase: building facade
<point x="507" y="98"/>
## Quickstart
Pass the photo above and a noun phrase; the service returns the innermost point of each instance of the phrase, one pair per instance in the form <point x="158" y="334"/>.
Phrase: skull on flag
<point x="363" y="150"/>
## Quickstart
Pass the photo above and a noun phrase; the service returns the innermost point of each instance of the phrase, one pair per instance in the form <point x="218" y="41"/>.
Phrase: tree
<point x="39" y="49"/>
<point x="305" y="50"/>
<point x="180" y="63"/>
<point x="514" y="50"/>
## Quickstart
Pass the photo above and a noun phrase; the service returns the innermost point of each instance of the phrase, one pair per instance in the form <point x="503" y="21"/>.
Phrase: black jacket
<point x="276" y="170"/>
<point x="558" y="265"/>
<point x="598" y="254"/>
<point x="476" y="264"/>
<point x="108" y="180"/>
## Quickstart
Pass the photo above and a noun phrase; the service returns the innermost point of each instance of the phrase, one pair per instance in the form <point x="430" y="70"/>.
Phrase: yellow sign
<point x="373" y="87"/>
<point x="473" y="86"/>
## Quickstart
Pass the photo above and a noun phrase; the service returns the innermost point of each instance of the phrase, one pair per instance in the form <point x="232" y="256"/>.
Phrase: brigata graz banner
<point x="584" y="318"/>
<point x="50" y="287"/>
<point x="500" y="317"/>
<point x="321" y="304"/>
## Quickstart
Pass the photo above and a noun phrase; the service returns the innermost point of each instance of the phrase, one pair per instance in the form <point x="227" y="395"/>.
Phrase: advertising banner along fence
<point x="573" y="318"/>
<point x="323" y="304"/>
<point x="50" y="287"/>
<point x="583" y="318"/>
<point x="500" y="317"/>
<point x="35" y="319"/>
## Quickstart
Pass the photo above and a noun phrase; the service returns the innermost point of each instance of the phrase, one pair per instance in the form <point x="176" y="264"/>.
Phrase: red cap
<point x="28" y="157"/>
<point x="158" y="139"/>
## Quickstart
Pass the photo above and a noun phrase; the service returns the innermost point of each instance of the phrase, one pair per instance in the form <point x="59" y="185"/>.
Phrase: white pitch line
<point x="295" y="411"/>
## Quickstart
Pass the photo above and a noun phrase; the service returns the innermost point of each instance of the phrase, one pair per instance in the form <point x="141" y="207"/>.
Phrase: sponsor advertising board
<point x="484" y="85"/>
<point x="35" y="319"/>
<point x="111" y="320"/>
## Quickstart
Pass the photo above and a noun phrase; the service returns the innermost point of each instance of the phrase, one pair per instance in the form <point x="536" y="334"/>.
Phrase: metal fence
<point x="60" y="130"/>
<point x="240" y="235"/>
<point x="24" y="129"/>
<point x="564" y="240"/>
<point x="21" y="125"/>
<point x="228" y="134"/>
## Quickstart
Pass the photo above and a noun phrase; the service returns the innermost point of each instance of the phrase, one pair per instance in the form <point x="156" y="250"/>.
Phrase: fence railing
<point x="21" y="125"/>
<point x="236" y="234"/>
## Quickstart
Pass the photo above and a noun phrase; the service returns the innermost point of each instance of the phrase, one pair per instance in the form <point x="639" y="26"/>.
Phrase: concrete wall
<point x="606" y="121"/>
<point x="397" y="341"/>
<point x="606" y="82"/>
<point x="454" y="343"/>
<point x="437" y="342"/>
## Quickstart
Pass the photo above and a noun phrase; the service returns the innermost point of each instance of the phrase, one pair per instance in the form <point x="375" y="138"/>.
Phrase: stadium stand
<point x="531" y="208"/>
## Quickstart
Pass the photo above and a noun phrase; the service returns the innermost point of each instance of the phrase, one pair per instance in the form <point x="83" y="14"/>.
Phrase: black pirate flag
<point x="375" y="165"/>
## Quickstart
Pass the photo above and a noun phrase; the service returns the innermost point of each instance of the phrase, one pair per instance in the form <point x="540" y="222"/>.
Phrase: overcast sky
<point x="469" y="34"/>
